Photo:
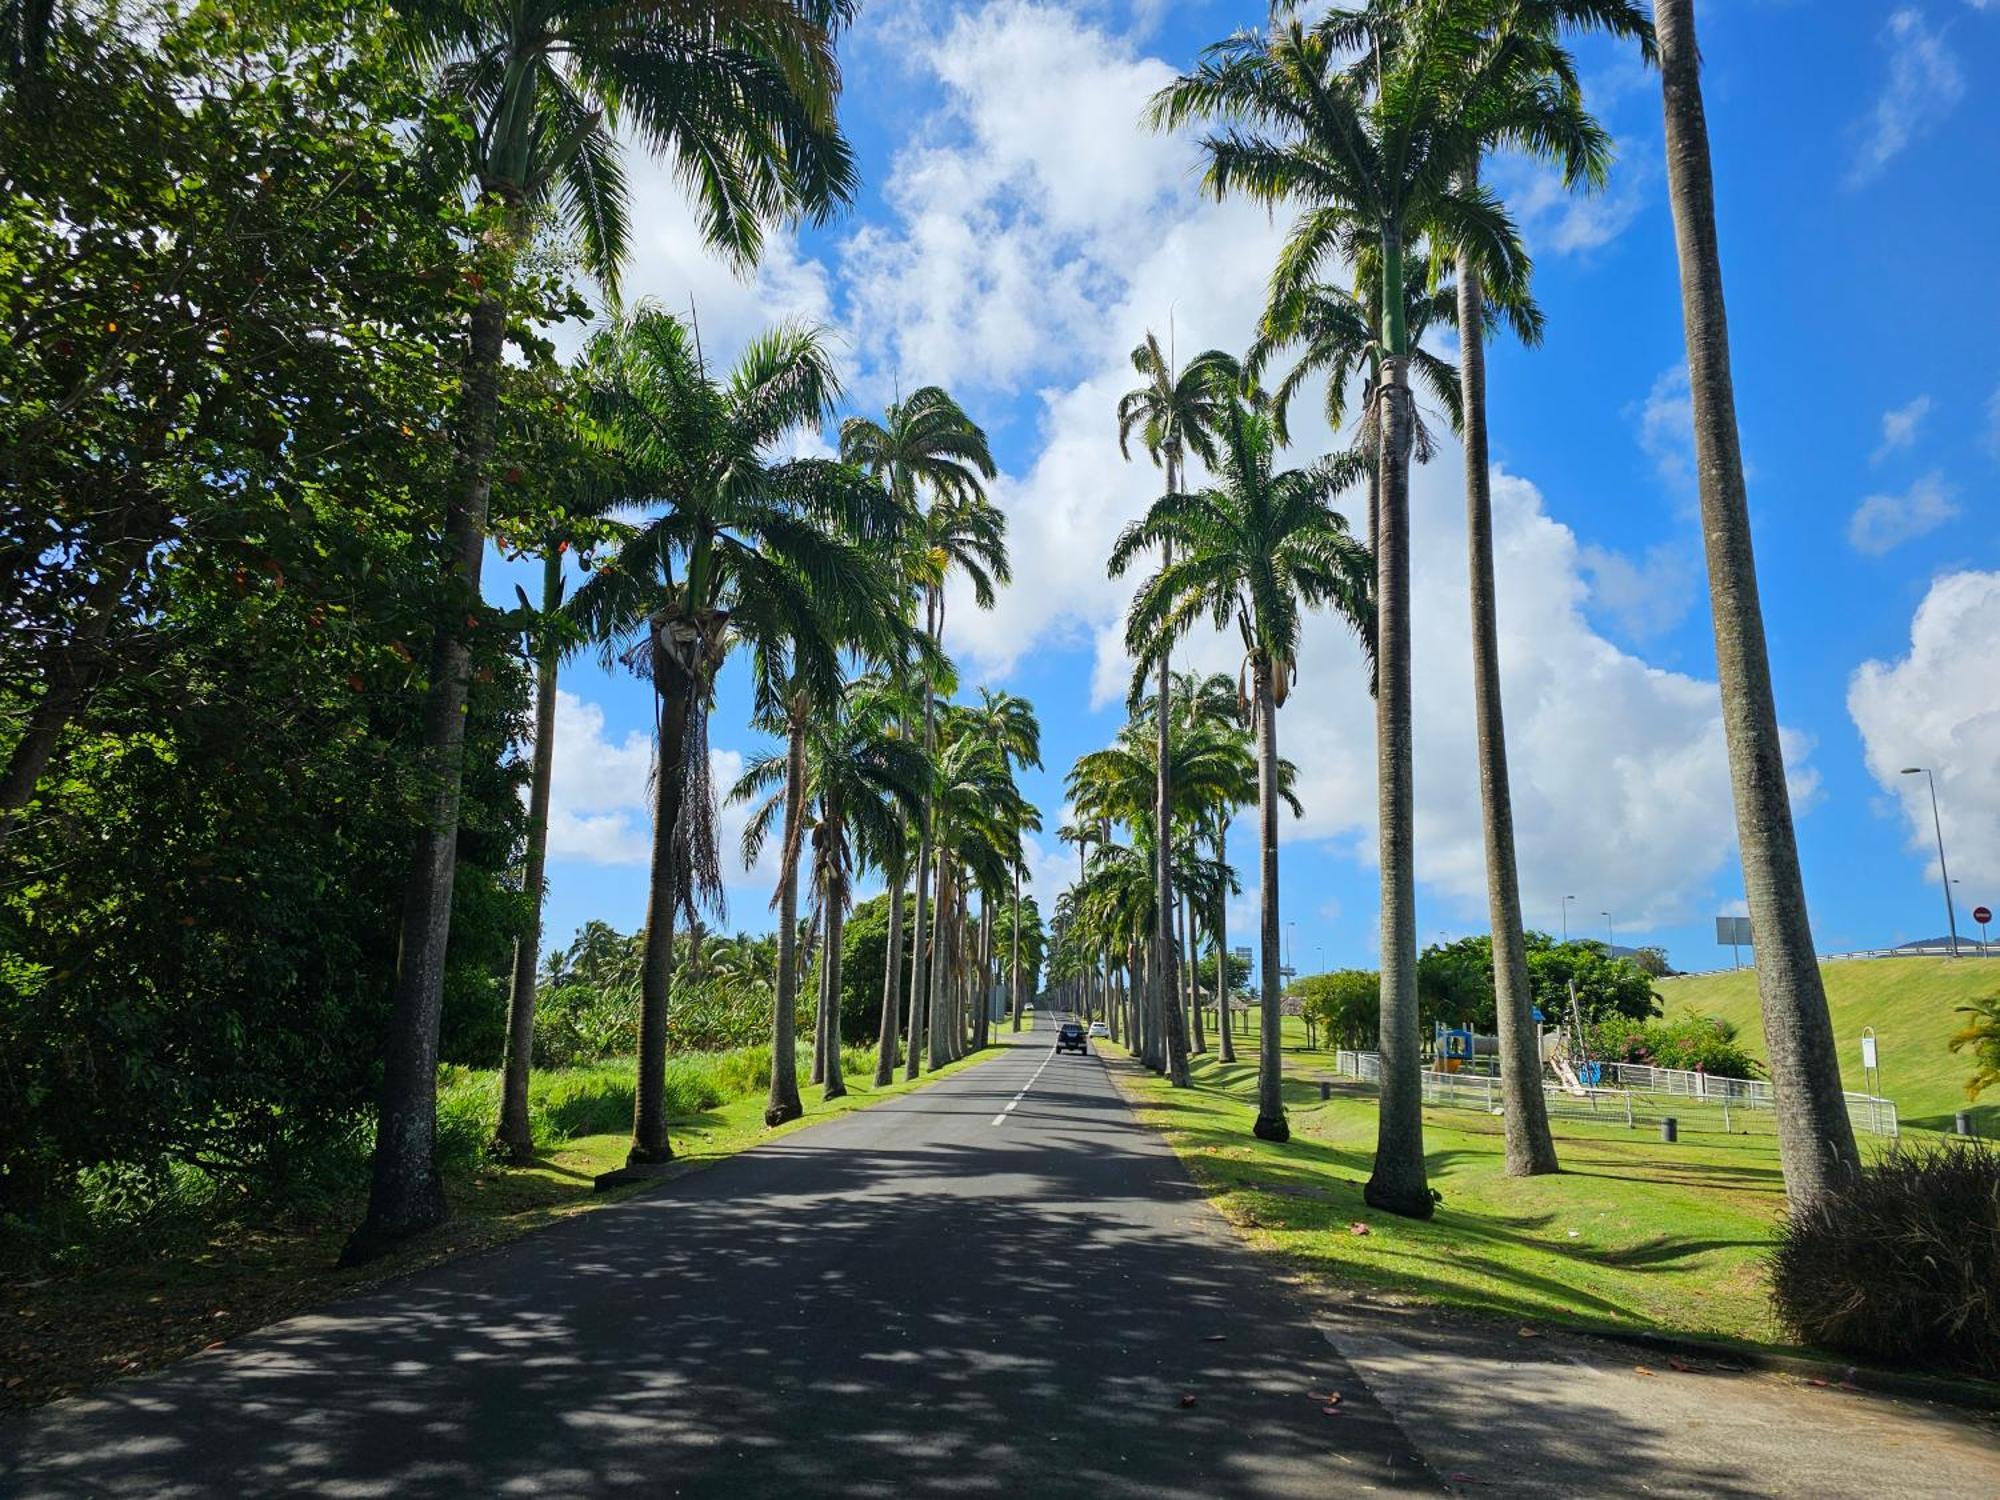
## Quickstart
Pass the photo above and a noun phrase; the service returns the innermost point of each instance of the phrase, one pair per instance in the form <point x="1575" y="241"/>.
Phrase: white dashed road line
<point x="1001" y="1118"/>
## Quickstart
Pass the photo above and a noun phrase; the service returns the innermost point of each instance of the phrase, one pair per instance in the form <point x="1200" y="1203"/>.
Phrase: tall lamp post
<point x="1610" y="934"/>
<point x="1566" y="902"/>
<point x="1944" y="875"/>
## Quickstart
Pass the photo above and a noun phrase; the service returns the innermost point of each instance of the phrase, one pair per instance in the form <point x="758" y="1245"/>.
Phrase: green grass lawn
<point x="1912" y="1004"/>
<point x="1633" y="1235"/>
<point x="67" y="1333"/>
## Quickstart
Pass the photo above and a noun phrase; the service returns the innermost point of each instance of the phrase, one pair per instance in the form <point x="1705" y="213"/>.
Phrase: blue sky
<point x="1019" y="231"/>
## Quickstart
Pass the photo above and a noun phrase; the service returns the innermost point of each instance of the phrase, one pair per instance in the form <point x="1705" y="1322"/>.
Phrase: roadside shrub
<point x="1687" y="1042"/>
<point x="1904" y="1266"/>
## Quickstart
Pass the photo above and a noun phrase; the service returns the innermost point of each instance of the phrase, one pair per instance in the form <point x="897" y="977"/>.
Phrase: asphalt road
<point x="999" y="1285"/>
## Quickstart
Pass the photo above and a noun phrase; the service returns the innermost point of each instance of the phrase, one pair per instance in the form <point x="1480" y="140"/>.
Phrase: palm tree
<point x="1372" y="143"/>
<point x="584" y="484"/>
<point x="1254" y="549"/>
<point x="860" y="777"/>
<point x="1174" y="412"/>
<point x="1815" y="1139"/>
<point x="927" y="444"/>
<point x="1010" y="723"/>
<point x="1530" y="1149"/>
<point x="740" y="95"/>
<point x="773" y="555"/>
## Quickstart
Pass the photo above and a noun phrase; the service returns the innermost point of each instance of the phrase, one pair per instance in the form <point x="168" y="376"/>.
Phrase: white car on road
<point x="1098" y="1028"/>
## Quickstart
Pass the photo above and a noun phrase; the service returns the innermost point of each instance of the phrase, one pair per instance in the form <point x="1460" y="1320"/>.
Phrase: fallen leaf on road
<point x="1682" y="1366"/>
<point x="1357" y="1228"/>
<point x="1641" y="1370"/>
<point x="1815" y="1380"/>
<point x="1187" y="1398"/>
<point x="1531" y="1333"/>
<point x="1331" y="1411"/>
<point x="1463" y="1479"/>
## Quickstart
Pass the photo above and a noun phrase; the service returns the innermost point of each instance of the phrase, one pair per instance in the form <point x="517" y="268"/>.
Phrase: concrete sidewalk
<point x="1495" y="1413"/>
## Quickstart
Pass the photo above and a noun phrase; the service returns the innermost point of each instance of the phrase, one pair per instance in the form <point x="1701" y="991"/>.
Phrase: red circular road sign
<point x="1981" y="915"/>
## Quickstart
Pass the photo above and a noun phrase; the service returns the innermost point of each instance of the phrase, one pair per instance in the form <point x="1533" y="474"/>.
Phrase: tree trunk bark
<point x="406" y="1194"/>
<point x="1530" y="1149"/>
<point x="1398" y="1185"/>
<point x="70" y="670"/>
<point x="515" y="1139"/>
<point x="892" y="1002"/>
<point x="1225" y="1045"/>
<point x="783" y="1102"/>
<point x="1271" y="1122"/>
<point x="1815" y="1138"/>
<point x="1014" y="960"/>
<point x="1193" y="979"/>
<point x="938" y="1042"/>
<point x="1166" y="968"/>
<point x="836" y="922"/>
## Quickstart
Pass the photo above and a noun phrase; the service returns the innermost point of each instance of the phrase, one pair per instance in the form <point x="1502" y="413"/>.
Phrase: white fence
<point x="1642" y="1093"/>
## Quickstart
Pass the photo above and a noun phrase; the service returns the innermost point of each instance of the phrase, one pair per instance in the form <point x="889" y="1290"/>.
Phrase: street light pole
<point x="1566" y="902"/>
<point x="1610" y="934"/>
<point x="1944" y="875"/>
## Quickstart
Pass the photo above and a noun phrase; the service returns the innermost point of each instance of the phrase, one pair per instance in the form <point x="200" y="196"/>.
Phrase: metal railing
<point x="1644" y="1094"/>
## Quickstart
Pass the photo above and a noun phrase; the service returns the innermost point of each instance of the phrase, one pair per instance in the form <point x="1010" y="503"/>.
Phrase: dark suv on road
<point x="1071" y="1039"/>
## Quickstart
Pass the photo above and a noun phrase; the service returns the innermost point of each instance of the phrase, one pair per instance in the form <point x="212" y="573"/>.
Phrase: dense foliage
<point x="1687" y="1041"/>
<point x="1903" y="1265"/>
<point x="216" y="576"/>
<point x="1455" y="982"/>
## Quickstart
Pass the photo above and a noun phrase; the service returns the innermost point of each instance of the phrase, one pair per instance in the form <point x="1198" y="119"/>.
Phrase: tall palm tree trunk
<point x="514" y="1138"/>
<point x="1271" y="1123"/>
<point x="939" y="1040"/>
<point x="892" y="1003"/>
<point x="405" y="1193"/>
<point x="656" y="974"/>
<point x="836" y="922"/>
<point x="1166" y="969"/>
<point x="920" y="945"/>
<point x="1530" y="1149"/>
<point x="783" y="1102"/>
<point x="1193" y="978"/>
<point x="1398" y="1184"/>
<point x="1815" y="1138"/>
<point x="1225" y="1045"/>
<point x="1014" y="958"/>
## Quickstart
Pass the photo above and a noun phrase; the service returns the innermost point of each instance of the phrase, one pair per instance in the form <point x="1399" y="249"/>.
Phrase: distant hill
<point x="1912" y="1004"/>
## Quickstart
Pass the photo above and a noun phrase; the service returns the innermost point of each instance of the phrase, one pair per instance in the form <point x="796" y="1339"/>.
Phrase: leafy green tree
<point x="1175" y="412"/>
<point x="742" y="550"/>
<point x="1254" y="550"/>
<point x="213" y="573"/>
<point x="1815" y="1137"/>
<point x="1345" y="1004"/>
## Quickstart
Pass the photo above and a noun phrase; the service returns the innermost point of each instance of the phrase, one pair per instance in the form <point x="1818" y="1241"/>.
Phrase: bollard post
<point x="1961" y="1123"/>
<point x="1325" y="1089"/>
<point x="1670" y="1130"/>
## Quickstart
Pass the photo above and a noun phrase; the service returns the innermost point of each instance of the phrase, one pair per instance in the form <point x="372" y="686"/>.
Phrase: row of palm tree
<point x="1369" y="124"/>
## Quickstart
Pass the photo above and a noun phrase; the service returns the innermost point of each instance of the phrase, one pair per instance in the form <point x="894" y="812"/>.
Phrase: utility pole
<point x="1944" y="875"/>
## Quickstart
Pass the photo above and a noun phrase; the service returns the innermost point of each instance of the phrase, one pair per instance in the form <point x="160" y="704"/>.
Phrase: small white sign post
<point x="1871" y="1070"/>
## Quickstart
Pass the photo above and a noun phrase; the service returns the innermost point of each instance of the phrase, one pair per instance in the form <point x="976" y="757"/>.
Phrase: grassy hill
<point x="1912" y="1004"/>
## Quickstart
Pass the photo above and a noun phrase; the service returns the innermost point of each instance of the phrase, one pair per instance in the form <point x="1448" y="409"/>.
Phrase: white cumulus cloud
<point x="1899" y="425"/>
<point x="1924" y="85"/>
<point x="1882" y="523"/>
<point x="1936" y="707"/>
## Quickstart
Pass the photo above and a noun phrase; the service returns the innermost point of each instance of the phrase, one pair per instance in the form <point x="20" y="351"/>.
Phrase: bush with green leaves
<point x="1901" y="1266"/>
<point x="1687" y="1042"/>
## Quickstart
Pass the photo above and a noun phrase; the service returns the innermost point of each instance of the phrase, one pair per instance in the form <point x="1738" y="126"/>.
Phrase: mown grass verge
<point x="206" y="1271"/>
<point x="1632" y="1236"/>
